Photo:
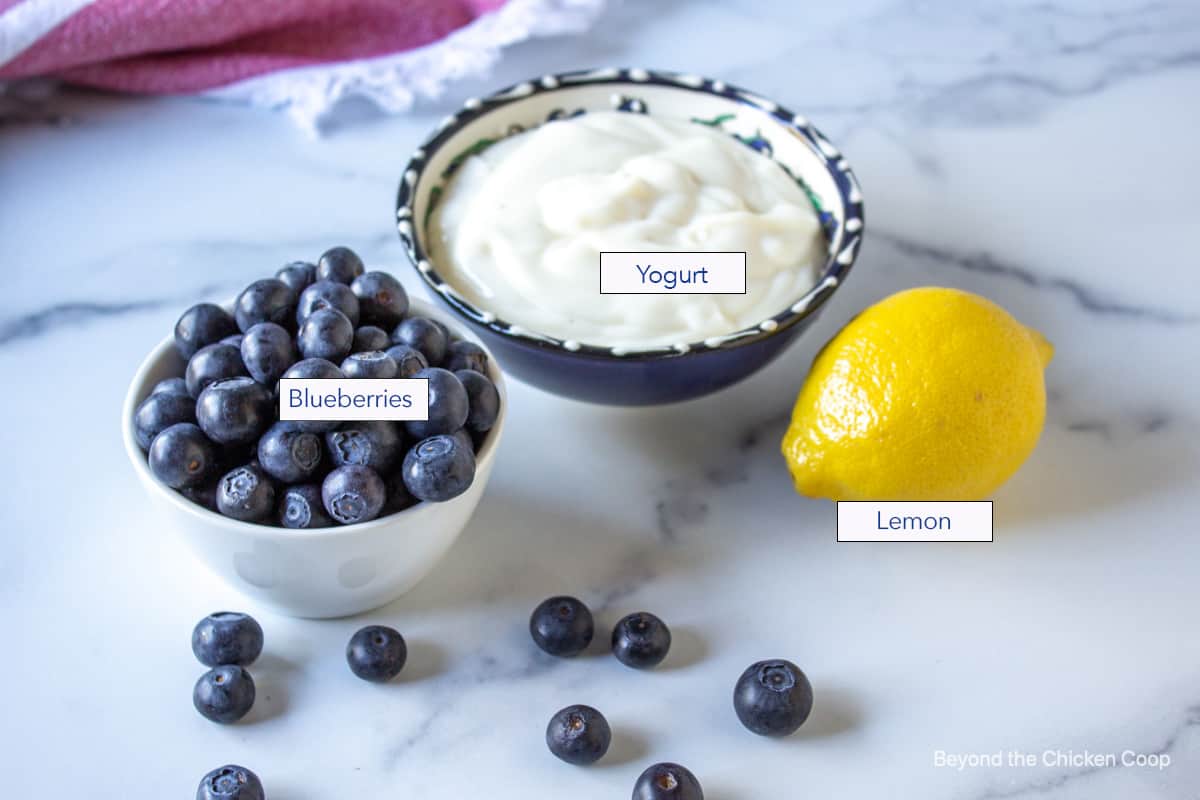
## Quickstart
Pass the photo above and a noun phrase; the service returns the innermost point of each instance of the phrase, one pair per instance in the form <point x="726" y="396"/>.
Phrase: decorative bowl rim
<point x="844" y="242"/>
<point x="139" y="390"/>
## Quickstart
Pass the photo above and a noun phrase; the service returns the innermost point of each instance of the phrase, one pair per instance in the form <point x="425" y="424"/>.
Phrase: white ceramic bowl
<point x="323" y="572"/>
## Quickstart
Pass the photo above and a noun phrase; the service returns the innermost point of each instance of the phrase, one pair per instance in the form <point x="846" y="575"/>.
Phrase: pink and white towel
<point x="301" y="55"/>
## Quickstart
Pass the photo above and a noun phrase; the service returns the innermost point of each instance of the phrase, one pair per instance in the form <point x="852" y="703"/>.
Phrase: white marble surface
<point x="1042" y="153"/>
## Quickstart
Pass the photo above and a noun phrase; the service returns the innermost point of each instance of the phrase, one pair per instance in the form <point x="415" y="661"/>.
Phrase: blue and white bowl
<point x="590" y="371"/>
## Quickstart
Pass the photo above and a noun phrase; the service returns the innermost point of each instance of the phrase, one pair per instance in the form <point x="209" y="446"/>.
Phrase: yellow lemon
<point x="931" y="394"/>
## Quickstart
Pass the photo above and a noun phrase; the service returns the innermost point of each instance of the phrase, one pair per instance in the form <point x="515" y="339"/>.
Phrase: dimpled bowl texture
<point x="323" y="572"/>
<point x="591" y="371"/>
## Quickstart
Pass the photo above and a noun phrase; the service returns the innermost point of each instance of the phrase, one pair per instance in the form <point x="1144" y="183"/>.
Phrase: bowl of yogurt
<point x="506" y="209"/>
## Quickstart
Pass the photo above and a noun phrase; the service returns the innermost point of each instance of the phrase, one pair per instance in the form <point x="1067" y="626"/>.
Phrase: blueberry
<point x="462" y="354"/>
<point x="562" y="626"/>
<point x="327" y="295"/>
<point x="464" y="439"/>
<point x="641" y="640"/>
<point x="227" y="637"/>
<point x="377" y="444"/>
<point x="170" y="386"/>
<point x="369" y="337"/>
<point x="289" y="454"/>
<point x="371" y="364"/>
<point x="297" y="276"/>
<point x="448" y="405"/>
<point x="315" y="368"/>
<point x="301" y="507"/>
<point x="203" y="495"/>
<point x="202" y="325"/>
<point x="381" y="297"/>
<point x="376" y="653"/>
<point x="268" y="300"/>
<point x="246" y="493"/>
<point x="182" y="456"/>
<point x="409" y="360"/>
<point x="339" y="264"/>
<point x="578" y="735"/>
<point x="230" y="782"/>
<point x="160" y="411"/>
<point x="235" y="410"/>
<point x="773" y="698"/>
<point x="439" y="468"/>
<point x="667" y="781"/>
<point x="483" y="400"/>
<point x="224" y="694"/>
<point x="423" y="334"/>
<point x="398" y="496"/>
<point x="353" y="493"/>
<point x="234" y="339"/>
<point x="212" y="363"/>
<point x="326" y="333"/>
<point x="267" y="352"/>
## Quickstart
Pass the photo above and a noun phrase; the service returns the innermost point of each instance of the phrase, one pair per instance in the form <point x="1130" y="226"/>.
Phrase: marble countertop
<point x="1042" y="154"/>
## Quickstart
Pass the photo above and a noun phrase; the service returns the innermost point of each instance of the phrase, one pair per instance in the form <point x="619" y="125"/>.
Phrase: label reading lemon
<point x="930" y="394"/>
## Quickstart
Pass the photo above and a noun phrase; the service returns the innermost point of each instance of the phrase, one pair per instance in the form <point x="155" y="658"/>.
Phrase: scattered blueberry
<point x="202" y="324"/>
<point x="409" y="360"/>
<point x="382" y="299"/>
<point x="230" y="782"/>
<point x="327" y="295"/>
<point x="297" y="276"/>
<point x="462" y="354"/>
<point x="268" y="300"/>
<point x="301" y="507"/>
<point x="773" y="698"/>
<point x="234" y="410"/>
<point x="578" y="735"/>
<point x="227" y="637"/>
<point x="667" y="781"/>
<point x="483" y="400"/>
<point x="170" y="386"/>
<point x="371" y="364"/>
<point x="376" y="653"/>
<point x="288" y="453"/>
<point x="353" y="493"/>
<point x="339" y="264"/>
<point x="315" y="368"/>
<point x="562" y="626"/>
<point x="267" y="352"/>
<point x="182" y="456"/>
<point x="448" y="405"/>
<point x="224" y="694"/>
<point x="641" y="640"/>
<point x="439" y="468"/>
<point x="160" y="411"/>
<point x="326" y="333"/>
<point x="212" y="363"/>
<point x="369" y="337"/>
<point x="246" y="493"/>
<point x="423" y="334"/>
<point x="377" y="444"/>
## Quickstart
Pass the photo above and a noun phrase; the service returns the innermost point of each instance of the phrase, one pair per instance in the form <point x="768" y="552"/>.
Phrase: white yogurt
<point x="520" y="227"/>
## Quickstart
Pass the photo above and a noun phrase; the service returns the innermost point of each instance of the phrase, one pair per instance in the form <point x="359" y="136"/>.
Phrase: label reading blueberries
<point x="354" y="399"/>
<point x="673" y="273"/>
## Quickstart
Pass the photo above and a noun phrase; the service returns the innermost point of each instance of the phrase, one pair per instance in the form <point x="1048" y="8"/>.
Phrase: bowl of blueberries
<point x="315" y="518"/>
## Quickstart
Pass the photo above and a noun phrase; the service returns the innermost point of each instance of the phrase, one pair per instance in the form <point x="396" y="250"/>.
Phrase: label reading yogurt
<point x="673" y="273"/>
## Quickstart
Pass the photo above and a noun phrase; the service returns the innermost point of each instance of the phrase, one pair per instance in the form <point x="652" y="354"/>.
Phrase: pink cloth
<point x="170" y="46"/>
